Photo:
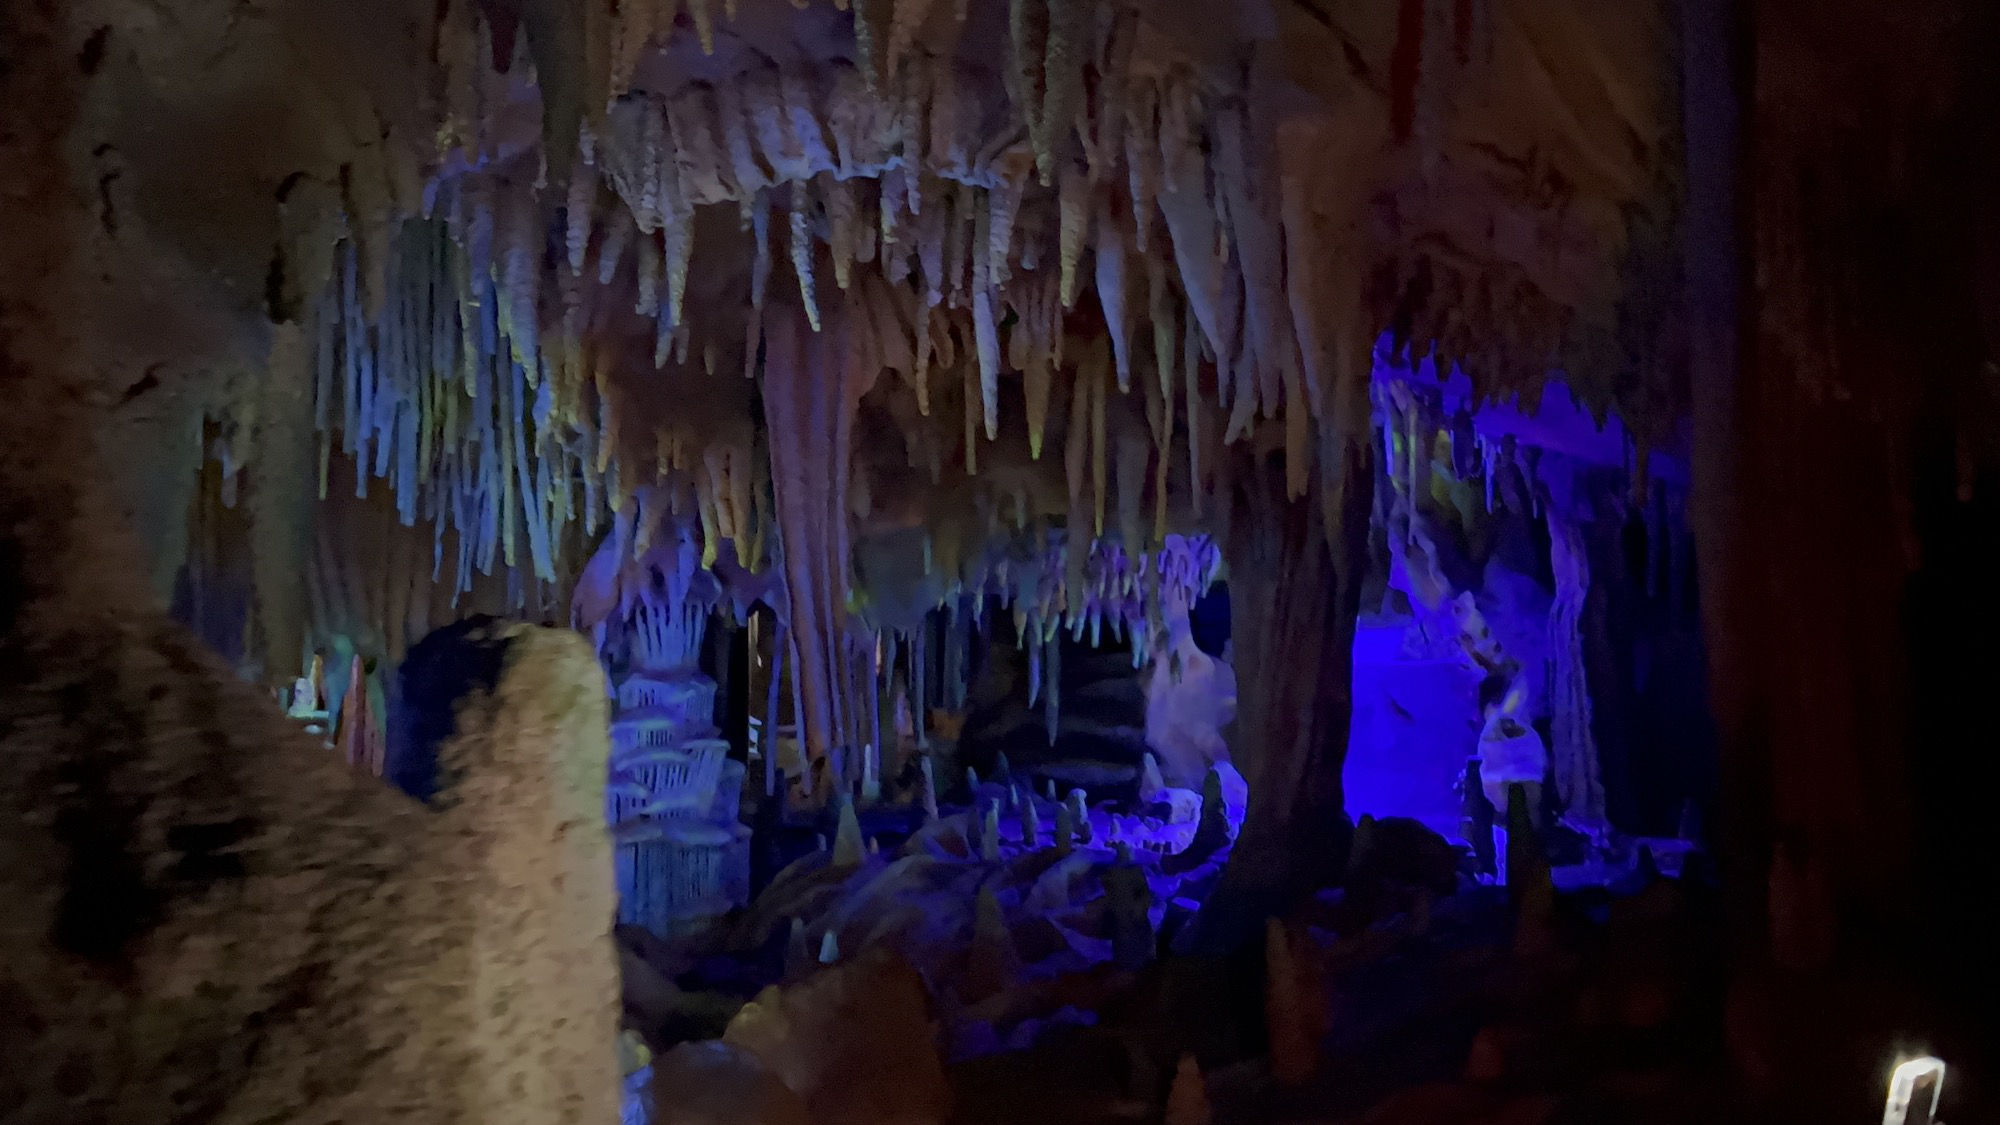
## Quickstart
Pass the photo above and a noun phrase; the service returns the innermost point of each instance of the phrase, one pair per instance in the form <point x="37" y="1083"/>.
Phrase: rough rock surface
<point x="212" y="919"/>
<point x="208" y="917"/>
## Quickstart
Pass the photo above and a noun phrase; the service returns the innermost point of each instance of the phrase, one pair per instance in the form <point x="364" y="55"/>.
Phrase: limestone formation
<point x="853" y="1042"/>
<point x="1187" y="1099"/>
<point x="408" y="965"/>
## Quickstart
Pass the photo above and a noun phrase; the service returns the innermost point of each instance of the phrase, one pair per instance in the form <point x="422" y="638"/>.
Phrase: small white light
<point x="1914" y="1091"/>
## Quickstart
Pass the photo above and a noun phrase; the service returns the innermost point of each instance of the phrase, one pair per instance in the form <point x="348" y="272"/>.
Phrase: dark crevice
<point x="91" y="57"/>
<point x="276" y="306"/>
<point x="107" y="211"/>
<point x="150" y="381"/>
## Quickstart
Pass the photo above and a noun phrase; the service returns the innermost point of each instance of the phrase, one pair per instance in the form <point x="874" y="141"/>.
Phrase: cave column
<point x="813" y="383"/>
<point x="1295" y="595"/>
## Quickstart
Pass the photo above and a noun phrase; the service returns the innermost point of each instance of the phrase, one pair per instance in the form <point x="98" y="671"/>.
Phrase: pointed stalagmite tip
<point x="1079" y="815"/>
<point x="989" y="834"/>
<point x="847" y="845"/>
<point x="829" y="948"/>
<point x="1187" y="1100"/>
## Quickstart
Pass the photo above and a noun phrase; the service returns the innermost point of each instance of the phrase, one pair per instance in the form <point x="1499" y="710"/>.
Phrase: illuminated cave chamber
<point x="1065" y="560"/>
<point x="1531" y="612"/>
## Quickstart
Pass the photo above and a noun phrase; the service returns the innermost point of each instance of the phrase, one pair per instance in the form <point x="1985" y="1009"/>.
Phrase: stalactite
<point x="679" y="254"/>
<point x="1028" y="36"/>
<point x="838" y="196"/>
<point x="649" y="269"/>
<point x="1067" y="49"/>
<point x="1111" y="292"/>
<point x="1037" y="377"/>
<point x="985" y="324"/>
<point x="580" y="207"/>
<point x="906" y="19"/>
<point x="802" y="253"/>
<point x="1074" y="204"/>
<point x="960" y="230"/>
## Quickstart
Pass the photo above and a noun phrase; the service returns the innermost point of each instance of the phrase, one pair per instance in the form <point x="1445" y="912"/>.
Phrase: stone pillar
<point x="1294" y="603"/>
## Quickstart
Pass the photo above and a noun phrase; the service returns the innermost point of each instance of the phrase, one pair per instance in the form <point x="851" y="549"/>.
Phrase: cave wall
<point x="208" y="917"/>
<point x="1844" y="444"/>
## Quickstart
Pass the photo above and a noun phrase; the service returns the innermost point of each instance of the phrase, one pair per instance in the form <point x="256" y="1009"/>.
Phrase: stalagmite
<point x="1079" y="815"/>
<point x="1150" y="782"/>
<point x="1187" y="1099"/>
<point x="989" y="834"/>
<point x="1293" y="1041"/>
<point x="829" y="948"/>
<point x="847" y="845"/>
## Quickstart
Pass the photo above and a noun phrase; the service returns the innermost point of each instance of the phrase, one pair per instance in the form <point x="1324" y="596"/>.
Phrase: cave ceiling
<point x="511" y="267"/>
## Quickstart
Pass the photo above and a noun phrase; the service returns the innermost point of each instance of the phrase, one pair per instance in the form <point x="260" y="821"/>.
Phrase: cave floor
<point x="1435" y="1014"/>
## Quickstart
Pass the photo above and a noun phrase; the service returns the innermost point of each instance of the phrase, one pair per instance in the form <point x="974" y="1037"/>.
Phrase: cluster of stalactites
<point x="1102" y="591"/>
<point x="1422" y="443"/>
<point x="967" y="241"/>
<point x="1096" y="594"/>
<point x="436" y="397"/>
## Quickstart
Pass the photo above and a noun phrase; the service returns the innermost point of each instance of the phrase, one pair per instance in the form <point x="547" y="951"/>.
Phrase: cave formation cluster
<point x="855" y="317"/>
